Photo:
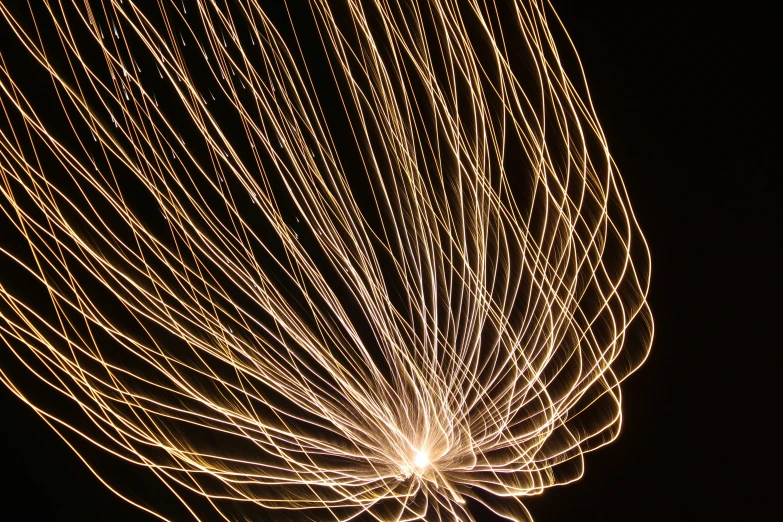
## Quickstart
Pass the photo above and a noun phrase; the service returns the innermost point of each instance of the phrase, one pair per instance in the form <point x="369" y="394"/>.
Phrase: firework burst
<point x="364" y="259"/>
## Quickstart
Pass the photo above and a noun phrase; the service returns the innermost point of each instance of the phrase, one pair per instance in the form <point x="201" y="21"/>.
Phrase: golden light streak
<point x="416" y="283"/>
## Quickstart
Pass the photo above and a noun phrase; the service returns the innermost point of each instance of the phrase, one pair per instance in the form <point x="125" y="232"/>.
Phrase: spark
<point x="455" y="320"/>
<point x="422" y="460"/>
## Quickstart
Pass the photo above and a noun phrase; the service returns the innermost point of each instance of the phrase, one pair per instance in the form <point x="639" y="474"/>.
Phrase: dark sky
<point x="685" y="95"/>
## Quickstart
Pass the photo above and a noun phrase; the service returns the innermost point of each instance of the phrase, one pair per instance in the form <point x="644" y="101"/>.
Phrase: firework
<point x="365" y="259"/>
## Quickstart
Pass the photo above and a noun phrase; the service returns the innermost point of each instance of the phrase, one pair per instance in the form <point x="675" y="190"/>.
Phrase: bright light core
<point x="422" y="459"/>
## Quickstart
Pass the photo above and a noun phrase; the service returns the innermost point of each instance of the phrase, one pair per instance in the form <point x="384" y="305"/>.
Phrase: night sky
<point x="685" y="96"/>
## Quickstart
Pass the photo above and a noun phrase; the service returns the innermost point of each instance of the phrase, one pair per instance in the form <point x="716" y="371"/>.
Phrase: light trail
<point x="375" y="296"/>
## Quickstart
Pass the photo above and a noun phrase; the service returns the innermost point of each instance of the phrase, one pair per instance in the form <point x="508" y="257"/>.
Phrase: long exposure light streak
<point x="342" y="260"/>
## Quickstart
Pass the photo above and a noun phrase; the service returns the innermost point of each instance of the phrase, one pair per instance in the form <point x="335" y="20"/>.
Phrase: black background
<point x="686" y="96"/>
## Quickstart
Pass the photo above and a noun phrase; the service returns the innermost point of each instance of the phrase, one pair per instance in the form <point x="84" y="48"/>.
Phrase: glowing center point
<point x="422" y="459"/>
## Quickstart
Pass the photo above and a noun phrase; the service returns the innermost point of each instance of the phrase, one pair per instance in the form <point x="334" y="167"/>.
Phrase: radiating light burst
<point x="341" y="260"/>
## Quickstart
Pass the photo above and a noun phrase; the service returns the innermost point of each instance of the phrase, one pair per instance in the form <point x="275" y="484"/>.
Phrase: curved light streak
<point x="378" y="296"/>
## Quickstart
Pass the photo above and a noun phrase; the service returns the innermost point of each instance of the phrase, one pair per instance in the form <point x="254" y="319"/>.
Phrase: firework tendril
<point x="341" y="260"/>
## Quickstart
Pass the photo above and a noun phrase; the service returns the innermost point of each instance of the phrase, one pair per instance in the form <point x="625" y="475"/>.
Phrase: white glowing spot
<point x="422" y="459"/>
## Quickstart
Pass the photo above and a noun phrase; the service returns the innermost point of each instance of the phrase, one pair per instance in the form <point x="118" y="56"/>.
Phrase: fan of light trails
<point x="363" y="259"/>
